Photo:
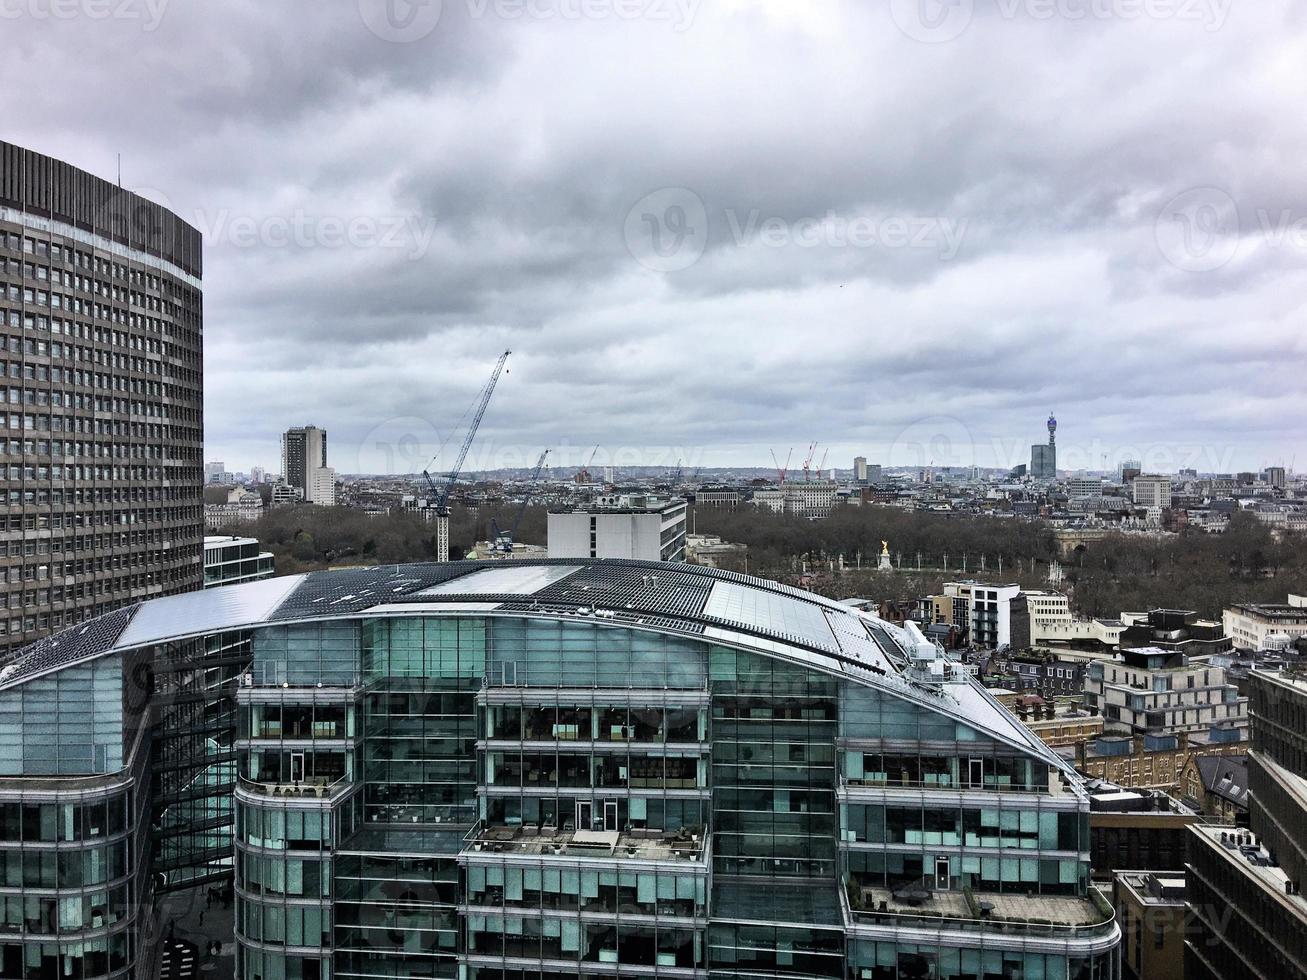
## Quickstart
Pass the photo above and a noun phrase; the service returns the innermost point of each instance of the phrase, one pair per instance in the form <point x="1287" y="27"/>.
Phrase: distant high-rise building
<point x="1129" y="469"/>
<point x="860" y="469"/>
<point x="1043" y="459"/>
<point x="101" y="348"/>
<point x="620" y="526"/>
<point x="1083" y="488"/>
<point x="304" y="464"/>
<point x="1152" y="491"/>
<point x="257" y="474"/>
<point x="213" y="471"/>
<point x="1276" y="476"/>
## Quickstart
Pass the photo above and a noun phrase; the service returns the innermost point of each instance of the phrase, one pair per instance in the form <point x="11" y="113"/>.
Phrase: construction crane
<point x="676" y="476"/>
<point x="824" y="454"/>
<point x="807" y="461"/>
<point x="782" y="470"/>
<point x="504" y="542"/>
<point x="583" y="474"/>
<point x="440" y="493"/>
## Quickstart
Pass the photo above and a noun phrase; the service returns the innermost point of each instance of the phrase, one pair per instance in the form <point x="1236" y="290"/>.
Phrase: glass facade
<point x="505" y="793"/>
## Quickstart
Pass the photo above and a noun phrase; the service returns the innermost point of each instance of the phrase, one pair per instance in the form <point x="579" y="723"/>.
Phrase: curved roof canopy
<point x="691" y="600"/>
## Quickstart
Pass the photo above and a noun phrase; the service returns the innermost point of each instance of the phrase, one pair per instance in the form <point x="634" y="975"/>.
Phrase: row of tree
<point x="1121" y="572"/>
<point x="1192" y="570"/>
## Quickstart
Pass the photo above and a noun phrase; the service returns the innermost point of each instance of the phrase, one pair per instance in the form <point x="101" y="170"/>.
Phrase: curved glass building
<point x="535" y="769"/>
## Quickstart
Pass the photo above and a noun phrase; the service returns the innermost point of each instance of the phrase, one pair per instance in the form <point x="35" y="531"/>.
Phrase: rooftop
<point x="689" y="600"/>
<point x="988" y="911"/>
<point x="637" y="845"/>
<point x="1243" y="851"/>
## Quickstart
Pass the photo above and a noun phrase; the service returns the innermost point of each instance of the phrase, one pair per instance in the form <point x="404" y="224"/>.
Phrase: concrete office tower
<point x="101" y="326"/>
<point x="860" y="469"/>
<point x="620" y="526"/>
<point x="1043" y="459"/>
<point x="1245" y="888"/>
<point x="1152" y="491"/>
<point x="529" y="769"/>
<point x="304" y="464"/>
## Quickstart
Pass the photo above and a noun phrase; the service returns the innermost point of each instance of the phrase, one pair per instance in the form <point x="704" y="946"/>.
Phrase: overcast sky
<point x="709" y="228"/>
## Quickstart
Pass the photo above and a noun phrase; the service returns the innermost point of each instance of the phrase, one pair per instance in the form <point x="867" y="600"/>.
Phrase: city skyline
<point x="362" y="274"/>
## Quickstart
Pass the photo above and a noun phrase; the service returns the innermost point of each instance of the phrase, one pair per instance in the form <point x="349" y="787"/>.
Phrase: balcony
<point x="921" y="907"/>
<point x="308" y="789"/>
<point x="688" y="844"/>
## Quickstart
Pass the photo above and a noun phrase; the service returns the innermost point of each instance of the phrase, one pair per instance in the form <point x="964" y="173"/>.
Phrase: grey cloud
<point x="517" y="148"/>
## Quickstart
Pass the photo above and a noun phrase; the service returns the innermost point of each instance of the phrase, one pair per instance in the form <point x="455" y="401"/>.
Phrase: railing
<point x="980" y="917"/>
<point x="962" y="786"/>
<point x="305" y="789"/>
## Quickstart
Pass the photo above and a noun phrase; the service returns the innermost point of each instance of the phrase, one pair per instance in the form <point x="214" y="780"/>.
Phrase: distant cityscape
<point x="609" y="750"/>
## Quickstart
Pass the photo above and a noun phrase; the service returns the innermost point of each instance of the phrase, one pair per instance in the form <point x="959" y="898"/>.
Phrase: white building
<point x="988" y="611"/>
<point x="620" y="526"/>
<point x="304" y="464"/>
<point x="1152" y="491"/>
<point x="228" y="560"/>
<point x="1083" y="487"/>
<point x="1150" y="691"/>
<point x="1265" y="625"/>
<point x="321" y="488"/>
<point x="813" y="500"/>
<point x="242" y="505"/>
<point x="1051" y="621"/>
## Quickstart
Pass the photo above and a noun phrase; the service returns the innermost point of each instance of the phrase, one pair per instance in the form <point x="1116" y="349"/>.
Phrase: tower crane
<point x="807" y="460"/>
<point x="504" y="542"/>
<point x="782" y="470"/>
<point x="440" y="492"/>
